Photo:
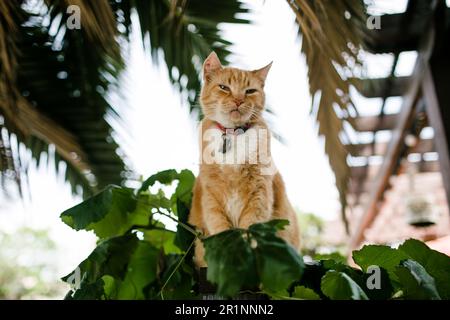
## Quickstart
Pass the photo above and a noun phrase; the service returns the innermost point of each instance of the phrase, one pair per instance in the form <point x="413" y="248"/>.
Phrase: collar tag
<point x="233" y="131"/>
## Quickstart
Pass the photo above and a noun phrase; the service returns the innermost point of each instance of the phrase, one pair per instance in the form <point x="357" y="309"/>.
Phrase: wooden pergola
<point x="424" y="27"/>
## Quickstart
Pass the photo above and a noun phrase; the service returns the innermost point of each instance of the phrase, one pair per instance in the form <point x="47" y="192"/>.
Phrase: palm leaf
<point x="54" y="81"/>
<point x="186" y="32"/>
<point x="57" y="95"/>
<point x="331" y="39"/>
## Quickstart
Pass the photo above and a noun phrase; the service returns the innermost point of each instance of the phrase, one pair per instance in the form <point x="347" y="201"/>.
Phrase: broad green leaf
<point x="339" y="286"/>
<point x="372" y="279"/>
<point x="416" y="282"/>
<point x="157" y="200"/>
<point x="378" y="255"/>
<point x="277" y="262"/>
<point x="109" y="287"/>
<point x="312" y="276"/>
<point x="304" y="293"/>
<point x="435" y="263"/>
<point x="162" y="239"/>
<point x="141" y="271"/>
<point x="91" y="210"/>
<point x="231" y="262"/>
<point x="183" y="191"/>
<point x="90" y="291"/>
<point x="163" y="177"/>
<point x="243" y="258"/>
<point x="107" y="213"/>
<point x="183" y="237"/>
<point x="356" y="275"/>
<point x="314" y="271"/>
<point x="336" y="256"/>
<point x="110" y="257"/>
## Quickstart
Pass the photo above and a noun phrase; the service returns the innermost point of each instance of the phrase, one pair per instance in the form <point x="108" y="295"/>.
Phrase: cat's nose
<point x="238" y="102"/>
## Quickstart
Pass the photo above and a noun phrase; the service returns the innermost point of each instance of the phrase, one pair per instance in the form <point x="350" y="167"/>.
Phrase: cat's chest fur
<point x="239" y="183"/>
<point x="233" y="206"/>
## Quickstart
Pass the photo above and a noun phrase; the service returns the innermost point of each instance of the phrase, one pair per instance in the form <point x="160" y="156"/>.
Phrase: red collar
<point x="235" y="131"/>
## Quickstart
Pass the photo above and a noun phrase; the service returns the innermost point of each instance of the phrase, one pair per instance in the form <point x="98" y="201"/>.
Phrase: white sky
<point x="161" y="134"/>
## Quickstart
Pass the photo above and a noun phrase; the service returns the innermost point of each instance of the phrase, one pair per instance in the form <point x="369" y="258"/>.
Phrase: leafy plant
<point x="139" y="257"/>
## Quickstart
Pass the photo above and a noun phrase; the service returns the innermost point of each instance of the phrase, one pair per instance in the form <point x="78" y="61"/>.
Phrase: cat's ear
<point x="211" y="64"/>
<point x="262" y="73"/>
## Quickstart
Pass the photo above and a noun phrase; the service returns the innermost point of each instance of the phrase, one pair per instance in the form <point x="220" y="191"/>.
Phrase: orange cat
<point x="238" y="184"/>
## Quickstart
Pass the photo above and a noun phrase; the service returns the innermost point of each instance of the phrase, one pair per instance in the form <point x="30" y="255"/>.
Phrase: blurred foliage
<point x="27" y="268"/>
<point x="312" y="243"/>
<point x="311" y="227"/>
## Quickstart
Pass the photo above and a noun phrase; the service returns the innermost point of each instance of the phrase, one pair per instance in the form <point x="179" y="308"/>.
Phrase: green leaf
<point x="435" y="263"/>
<point x="107" y="213"/>
<point x="162" y="239"/>
<point x="244" y="258"/>
<point x="90" y="211"/>
<point x="277" y="262"/>
<point x="312" y="276"/>
<point x="339" y="286"/>
<point x="183" y="191"/>
<point x="416" y="282"/>
<point x="378" y="255"/>
<point x="186" y="32"/>
<point x="164" y="177"/>
<point x="110" y="257"/>
<point x="384" y="291"/>
<point x="175" y="280"/>
<point x="158" y="200"/>
<point x="336" y="256"/>
<point x="141" y="271"/>
<point x="91" y="291"/>
<point x="270" y="226"/>
<point x="231" y="262"/>
<point x="183" y="237"/>
<point x="304" y="293"/>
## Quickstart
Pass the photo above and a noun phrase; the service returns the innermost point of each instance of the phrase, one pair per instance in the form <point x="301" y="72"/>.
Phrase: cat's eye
<point x="250" y="91"/>
<point x="223" y="87"/>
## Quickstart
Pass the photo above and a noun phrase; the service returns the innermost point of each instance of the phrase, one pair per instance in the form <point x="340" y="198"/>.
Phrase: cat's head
<point x="230" y="96"/>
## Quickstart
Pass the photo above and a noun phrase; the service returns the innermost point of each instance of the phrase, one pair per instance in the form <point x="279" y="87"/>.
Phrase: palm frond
<point x="8" y="16"/>
<point x="186" y="31"/>
<point x="54" y="81"/>
<point x="332" y="35"/>
<point x="56" y="94"/>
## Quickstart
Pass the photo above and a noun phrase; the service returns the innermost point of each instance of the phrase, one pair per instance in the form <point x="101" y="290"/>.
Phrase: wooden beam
<point x="436" y="121"/>
<point x="393" y="36"/>
<point x="390" y="160"/>
<point x="365" y="149"/>
<point x="361" y="178"/>
<point x="381" y="87"/>
<point x="375" y="123"/>
<point x="436" y="91"/>
<point x="402" y="31"/>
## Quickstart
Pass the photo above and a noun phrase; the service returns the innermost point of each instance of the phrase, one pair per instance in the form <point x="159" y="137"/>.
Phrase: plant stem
<point x="147" y="227"/>
<point x="176" y="268"/>
<point x="185" y="226"/>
